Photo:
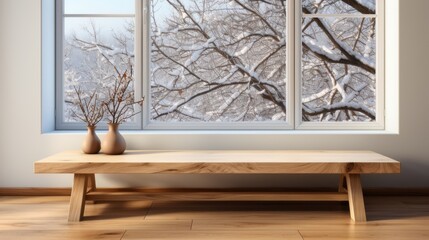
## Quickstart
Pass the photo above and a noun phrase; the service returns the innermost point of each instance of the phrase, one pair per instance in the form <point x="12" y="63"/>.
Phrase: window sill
<point x="232" y="132"/>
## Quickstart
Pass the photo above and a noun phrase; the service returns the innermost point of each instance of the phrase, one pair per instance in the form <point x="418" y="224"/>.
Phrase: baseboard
<point x="67" y="191"/>
<point x="35" y="191"/>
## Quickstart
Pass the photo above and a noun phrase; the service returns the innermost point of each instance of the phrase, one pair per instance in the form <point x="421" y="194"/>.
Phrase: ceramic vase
<point x="113" y="143"/>
<point x="91" y="144"/>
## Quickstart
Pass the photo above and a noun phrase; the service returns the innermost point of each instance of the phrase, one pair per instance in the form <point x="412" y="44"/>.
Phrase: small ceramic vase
<point x="91" y="144"/>
<point x="113" y="143"/>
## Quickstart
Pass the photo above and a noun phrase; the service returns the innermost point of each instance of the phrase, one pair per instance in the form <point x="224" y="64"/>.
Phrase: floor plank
<point x="364" y="235"/>
<point x="62" y="235"/>
<point x="247" y="210"/>
<point x="34" y="199"/>
<point x="219" y="235"/>
<point x="115" y="224"/>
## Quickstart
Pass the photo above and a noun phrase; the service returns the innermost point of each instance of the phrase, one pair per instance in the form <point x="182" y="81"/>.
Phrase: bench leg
<point x="342" y="186"/>
<point x="356" y="203"/>
<point x="91" y="183"/>
<point x="77" y="198"/>
<point x="92" y="187"/>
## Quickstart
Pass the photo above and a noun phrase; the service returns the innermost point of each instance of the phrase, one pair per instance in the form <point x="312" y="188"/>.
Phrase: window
<point x="228" y="64"/>
<point x="95" y="42"/>
<point x="341" y="76"/>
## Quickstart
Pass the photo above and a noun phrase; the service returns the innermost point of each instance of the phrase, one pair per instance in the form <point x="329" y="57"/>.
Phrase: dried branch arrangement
<point x="120" y="103"/>
<point x="89" y="109"/>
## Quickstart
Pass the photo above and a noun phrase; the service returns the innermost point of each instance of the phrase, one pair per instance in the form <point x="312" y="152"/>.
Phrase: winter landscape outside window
<point x="97" y="43"/>
<point x="229" y="64"/>
<point x="342" y="76"/>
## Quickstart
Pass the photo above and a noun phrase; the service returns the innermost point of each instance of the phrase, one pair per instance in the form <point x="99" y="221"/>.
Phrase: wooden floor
<point x="46" y="218"/>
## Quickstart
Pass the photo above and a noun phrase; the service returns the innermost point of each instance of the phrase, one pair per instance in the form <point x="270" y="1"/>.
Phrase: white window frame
<point x="293" y="85"/>
<point x="379" y="123"/>
<point x="59" y="62"/>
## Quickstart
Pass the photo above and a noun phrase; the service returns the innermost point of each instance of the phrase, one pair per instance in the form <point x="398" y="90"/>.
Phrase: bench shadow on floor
<point x="378" y="208"/>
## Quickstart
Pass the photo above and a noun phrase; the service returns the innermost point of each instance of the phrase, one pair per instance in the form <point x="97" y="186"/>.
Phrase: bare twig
<point x="89" y="108"/>
<point x="120" y="105"/>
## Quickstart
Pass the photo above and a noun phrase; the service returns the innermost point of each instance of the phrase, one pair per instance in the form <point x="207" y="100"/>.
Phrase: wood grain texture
<point x="62" y="235"/>
<point x="220" y="162"/>
<point x="364" y="235"/>
<point x="35" y="191"/>
<point x="116" y="223"/>
<point x="356" y="202"/>
<point x="77" y="199"/>
<point x="218" y="196"/>
<point x="9" y="192"/>
<point x="214" y="235"/>
<point x="92" y="186"/>
<point x="284" y="213"/>
<point x="397" y="218"/>
<point x="349" y="163"/>
<point x="342" y="184"/>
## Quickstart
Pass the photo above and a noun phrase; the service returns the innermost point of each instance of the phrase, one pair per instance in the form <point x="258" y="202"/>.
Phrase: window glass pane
<point x="99" y="6"/>
<point x="339" y="6"/>
<point x="95" y="50"/>
<point x="218" y="60"/>
<point x="338" y="69"/>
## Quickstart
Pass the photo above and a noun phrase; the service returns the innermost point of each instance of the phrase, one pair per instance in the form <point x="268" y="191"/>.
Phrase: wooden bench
<point x="348" y="164"/>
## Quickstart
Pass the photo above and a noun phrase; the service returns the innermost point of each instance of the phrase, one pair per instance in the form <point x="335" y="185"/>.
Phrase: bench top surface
<point x="221" y="161"/>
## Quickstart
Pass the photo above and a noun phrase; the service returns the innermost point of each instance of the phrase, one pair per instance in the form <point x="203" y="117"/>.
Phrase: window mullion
<point x="292" y="61"/>
<point x="99" y="15"/>
<point x="145" y="56"/>
<point x="59" y="73"/>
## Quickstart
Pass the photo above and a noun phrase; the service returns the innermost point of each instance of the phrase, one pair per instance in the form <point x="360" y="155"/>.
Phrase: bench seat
<point x="348" y="164"/>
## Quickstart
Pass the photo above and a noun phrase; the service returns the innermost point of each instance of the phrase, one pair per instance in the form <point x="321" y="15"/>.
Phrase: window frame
<point x="379" y="123"/>
<point x="293" y="120"/>
<point x="60" y="16"/>
<point x="287" y="124"/>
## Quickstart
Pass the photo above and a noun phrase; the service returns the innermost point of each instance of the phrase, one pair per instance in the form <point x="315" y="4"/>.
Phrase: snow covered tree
<point x="219" y="60"/>
<point x="225" y="60"/>
<point x="338" y="62"/>
<point x="94" y="59"/>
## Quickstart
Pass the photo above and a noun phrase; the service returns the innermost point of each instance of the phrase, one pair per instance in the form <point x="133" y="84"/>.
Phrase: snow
<point x="346" y="79"/>
<point x="197" y="53"/>
<point x="194" y="57"/>
<point x="175" y="105"/>
<point x="369" y="45"/>
<point x="341" y="90"/>
<point x="352" y="106"/>
<point x="183" y="14"/>
<point x="316" y="95"/>
<point x="115" y="51"/>
<point x="365" y="60"/>
<point x="272" y="73"/>
<point x="322" y="50"/>
<point x="228" y="101"/>
<point x="353" y="95"/>
<point x="349" y="50"/>
<point x="231" y="73"/>
<point x="243" y="51"/>
<point x="278" y="116"/>
<point x="261" y="92"/>
<point x="211" y="40"/>
<point x="368" y="3"/>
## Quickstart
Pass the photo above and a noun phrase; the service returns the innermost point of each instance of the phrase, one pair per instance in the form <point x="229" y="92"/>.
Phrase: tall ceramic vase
<point x="113" y="143"/>
<point x="91" y="144"/>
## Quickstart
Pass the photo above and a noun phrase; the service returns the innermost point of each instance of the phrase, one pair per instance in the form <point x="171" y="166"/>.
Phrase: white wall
<point x="21" y="142"/>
